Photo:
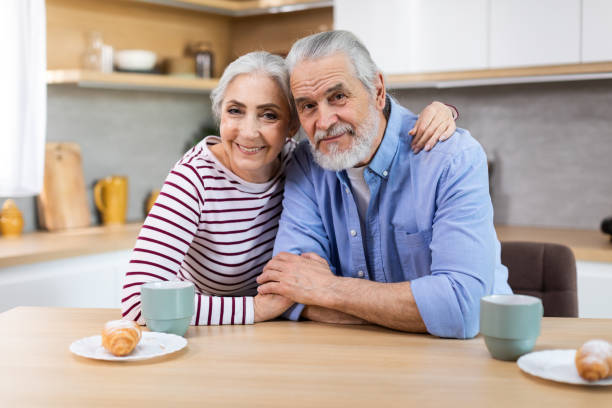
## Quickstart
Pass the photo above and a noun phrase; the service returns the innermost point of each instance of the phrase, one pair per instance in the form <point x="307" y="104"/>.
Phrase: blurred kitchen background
<point x="550" y="142"/>
<point x="532" y="80"/>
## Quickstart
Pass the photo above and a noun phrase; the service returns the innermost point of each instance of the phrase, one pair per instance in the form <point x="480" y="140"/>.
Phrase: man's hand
<point x="270" y="306"/>
<point x="304" y="278"/>
<point x="435" y="123"/>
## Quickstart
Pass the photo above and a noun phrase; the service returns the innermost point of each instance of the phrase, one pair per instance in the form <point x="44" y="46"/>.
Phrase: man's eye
<point x="339" y="96"/>
<point x="308" y="106"/>
<point x="233" y="111"/>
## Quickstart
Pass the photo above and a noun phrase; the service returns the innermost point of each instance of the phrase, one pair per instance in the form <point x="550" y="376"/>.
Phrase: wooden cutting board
<point x="62" y="204"/>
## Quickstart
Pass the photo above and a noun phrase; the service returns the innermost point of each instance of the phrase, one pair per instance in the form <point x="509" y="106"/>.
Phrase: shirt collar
<point x="381" y="162"/>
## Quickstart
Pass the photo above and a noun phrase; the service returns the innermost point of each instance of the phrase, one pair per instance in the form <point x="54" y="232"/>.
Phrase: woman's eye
<point x="233" y="111"/>
<point x="270" y="115"/>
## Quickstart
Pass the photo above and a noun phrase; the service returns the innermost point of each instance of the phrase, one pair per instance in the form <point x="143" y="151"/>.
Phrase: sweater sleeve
<point x="163" y="242"/>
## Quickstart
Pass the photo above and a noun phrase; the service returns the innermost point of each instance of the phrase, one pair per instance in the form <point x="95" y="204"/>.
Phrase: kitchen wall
<point x="136" y="134"/>
<point x="551" y="143"/>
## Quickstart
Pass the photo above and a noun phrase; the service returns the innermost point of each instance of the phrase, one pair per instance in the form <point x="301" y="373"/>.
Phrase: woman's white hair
<point x="258" y="62"/>
<point x="332" y="42"/>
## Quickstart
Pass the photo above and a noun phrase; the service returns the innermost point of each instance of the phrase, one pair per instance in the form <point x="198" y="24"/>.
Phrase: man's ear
<point x="381" y="92"/>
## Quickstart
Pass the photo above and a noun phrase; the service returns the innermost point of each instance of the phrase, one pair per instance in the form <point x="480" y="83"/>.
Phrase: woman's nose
<point x="250" y="127"/>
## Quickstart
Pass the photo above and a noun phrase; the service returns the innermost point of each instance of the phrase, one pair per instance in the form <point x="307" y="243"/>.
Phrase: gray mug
<point x="510" y="324"/>
<point x="168" y="306"/>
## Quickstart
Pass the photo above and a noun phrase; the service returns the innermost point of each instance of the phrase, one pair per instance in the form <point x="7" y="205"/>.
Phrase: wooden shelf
<point x="148" y="82"/>
<point x="243" y="8"/>
<point x="545" y="73"/>
<point x="552" y="73"/>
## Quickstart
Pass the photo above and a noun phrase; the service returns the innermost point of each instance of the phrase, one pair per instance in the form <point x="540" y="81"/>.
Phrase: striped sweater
<point x="209" y="227"/>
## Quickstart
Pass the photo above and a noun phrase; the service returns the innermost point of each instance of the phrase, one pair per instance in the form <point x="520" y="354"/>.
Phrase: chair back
<point x="544" y="270"/>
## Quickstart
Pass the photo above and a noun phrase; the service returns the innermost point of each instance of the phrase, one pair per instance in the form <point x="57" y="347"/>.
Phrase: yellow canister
<point x="11" y="219"/>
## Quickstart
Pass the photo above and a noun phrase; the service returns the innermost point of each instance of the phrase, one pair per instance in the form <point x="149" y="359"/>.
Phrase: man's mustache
<point x="334" y="130"/>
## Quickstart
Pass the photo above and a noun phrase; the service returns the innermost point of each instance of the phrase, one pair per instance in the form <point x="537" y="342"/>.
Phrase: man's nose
<point x="327" y="117"/>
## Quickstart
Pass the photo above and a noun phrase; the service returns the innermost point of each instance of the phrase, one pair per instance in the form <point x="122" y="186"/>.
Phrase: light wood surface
<point x="588" y="245"/>
<point x="280" y="364"/>
<point x="276" y="33"/>
<point x="46" y="246"/>
<point x="62" y="203"/>
<point x="544" y="70"/>
<point x="130" y="25"/>
<point x="119" y="80"/>
<point x="239" y="8"/>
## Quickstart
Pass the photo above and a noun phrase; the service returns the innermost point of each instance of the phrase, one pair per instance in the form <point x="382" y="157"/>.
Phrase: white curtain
<point x="23" y="96"/>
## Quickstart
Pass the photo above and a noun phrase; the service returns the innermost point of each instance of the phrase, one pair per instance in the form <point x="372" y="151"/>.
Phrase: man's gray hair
<point x="329" y="43"/>
<point x="258" y="62"/>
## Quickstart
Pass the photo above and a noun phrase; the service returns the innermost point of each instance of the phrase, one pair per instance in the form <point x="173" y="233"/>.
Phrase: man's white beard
<point x="359" y="151"/>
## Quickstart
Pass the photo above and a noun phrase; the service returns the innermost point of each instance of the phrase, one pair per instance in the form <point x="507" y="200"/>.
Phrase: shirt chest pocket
<point x="413" y="252"/>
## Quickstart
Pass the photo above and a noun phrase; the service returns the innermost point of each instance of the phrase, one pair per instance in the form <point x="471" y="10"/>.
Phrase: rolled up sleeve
<point x="463" y="249"/>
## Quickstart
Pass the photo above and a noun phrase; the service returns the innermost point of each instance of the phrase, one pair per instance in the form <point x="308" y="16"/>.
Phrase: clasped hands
<point x="290" y="278"/>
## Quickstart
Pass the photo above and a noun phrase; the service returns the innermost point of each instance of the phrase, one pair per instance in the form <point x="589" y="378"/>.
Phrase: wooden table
<point x="279" y="363"/>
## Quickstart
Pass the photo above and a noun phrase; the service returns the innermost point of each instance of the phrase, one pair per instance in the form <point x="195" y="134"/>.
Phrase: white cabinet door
<point x="596" y="30"/>
<point x="534" y="32"/>
<point x="594" y="289"/>
<point x="87" y="281"/>
<point x="406" y="36"/>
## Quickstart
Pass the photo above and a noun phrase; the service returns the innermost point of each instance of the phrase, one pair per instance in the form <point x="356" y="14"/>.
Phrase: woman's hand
<point x="435" y="123"/>
<point x="268" y="307"/>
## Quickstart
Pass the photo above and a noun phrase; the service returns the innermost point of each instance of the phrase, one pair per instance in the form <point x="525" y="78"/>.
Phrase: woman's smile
<point x="250" y="150"/>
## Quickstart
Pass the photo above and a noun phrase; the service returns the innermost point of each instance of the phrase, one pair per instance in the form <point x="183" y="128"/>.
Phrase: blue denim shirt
<point x="429" y="221"/>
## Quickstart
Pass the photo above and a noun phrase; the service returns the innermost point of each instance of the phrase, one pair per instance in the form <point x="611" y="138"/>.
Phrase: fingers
<point x="269" y="275"/>
<point x="449" y="131"/>
<point x="270" y="288"/>
<point x="422" y="124"/>
<point x="427" y="136"/>
<point x="435" y="137"/>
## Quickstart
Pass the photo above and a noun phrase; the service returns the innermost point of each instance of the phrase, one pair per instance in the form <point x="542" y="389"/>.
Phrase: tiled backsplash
<point x="551" y="143"/>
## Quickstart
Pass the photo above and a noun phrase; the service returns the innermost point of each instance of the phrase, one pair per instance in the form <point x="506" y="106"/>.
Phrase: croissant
<point x="594" y="360"/>
<point x="120" y="337"/>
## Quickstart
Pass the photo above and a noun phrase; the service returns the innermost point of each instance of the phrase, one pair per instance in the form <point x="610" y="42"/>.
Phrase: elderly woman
<point x="216" y="218"/>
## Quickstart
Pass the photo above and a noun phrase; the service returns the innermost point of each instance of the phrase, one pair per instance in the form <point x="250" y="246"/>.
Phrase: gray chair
<point x="547" y="271"/>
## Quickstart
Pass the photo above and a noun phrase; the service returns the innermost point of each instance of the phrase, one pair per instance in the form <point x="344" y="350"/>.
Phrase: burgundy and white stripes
<point x="211" y="228"/>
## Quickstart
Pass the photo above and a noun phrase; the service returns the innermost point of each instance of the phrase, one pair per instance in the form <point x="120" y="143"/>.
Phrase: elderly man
<point x="370" y="230"/>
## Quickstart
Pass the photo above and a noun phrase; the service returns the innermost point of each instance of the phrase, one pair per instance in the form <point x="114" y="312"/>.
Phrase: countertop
<point x="588" y="245"/>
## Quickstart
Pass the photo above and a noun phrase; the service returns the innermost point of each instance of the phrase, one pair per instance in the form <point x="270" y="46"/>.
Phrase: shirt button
<point x="347" y="190"/>
<point x="360" y="274"/>
<point x="353" y="233"/>
<point x="385" y="173"/>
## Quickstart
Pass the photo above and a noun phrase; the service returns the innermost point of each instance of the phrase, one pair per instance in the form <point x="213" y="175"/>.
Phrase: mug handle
<point x="98" y="195"/>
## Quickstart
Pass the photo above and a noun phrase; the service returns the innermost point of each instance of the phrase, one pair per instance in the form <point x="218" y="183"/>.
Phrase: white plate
<point x="152" y="344"/>
<point x="555" y="365"/>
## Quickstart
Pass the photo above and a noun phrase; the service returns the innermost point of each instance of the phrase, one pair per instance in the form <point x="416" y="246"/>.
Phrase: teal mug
<point x="168" y="306"/>
<point x="510" y="324"/>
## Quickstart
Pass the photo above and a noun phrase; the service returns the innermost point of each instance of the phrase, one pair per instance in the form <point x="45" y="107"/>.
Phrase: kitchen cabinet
<point x="84" y="281"/>
<point x="594" y="289"/>
<point x="528" y="33"/>
<point x="408" y="36"/>
<point x="596" y="30"/>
